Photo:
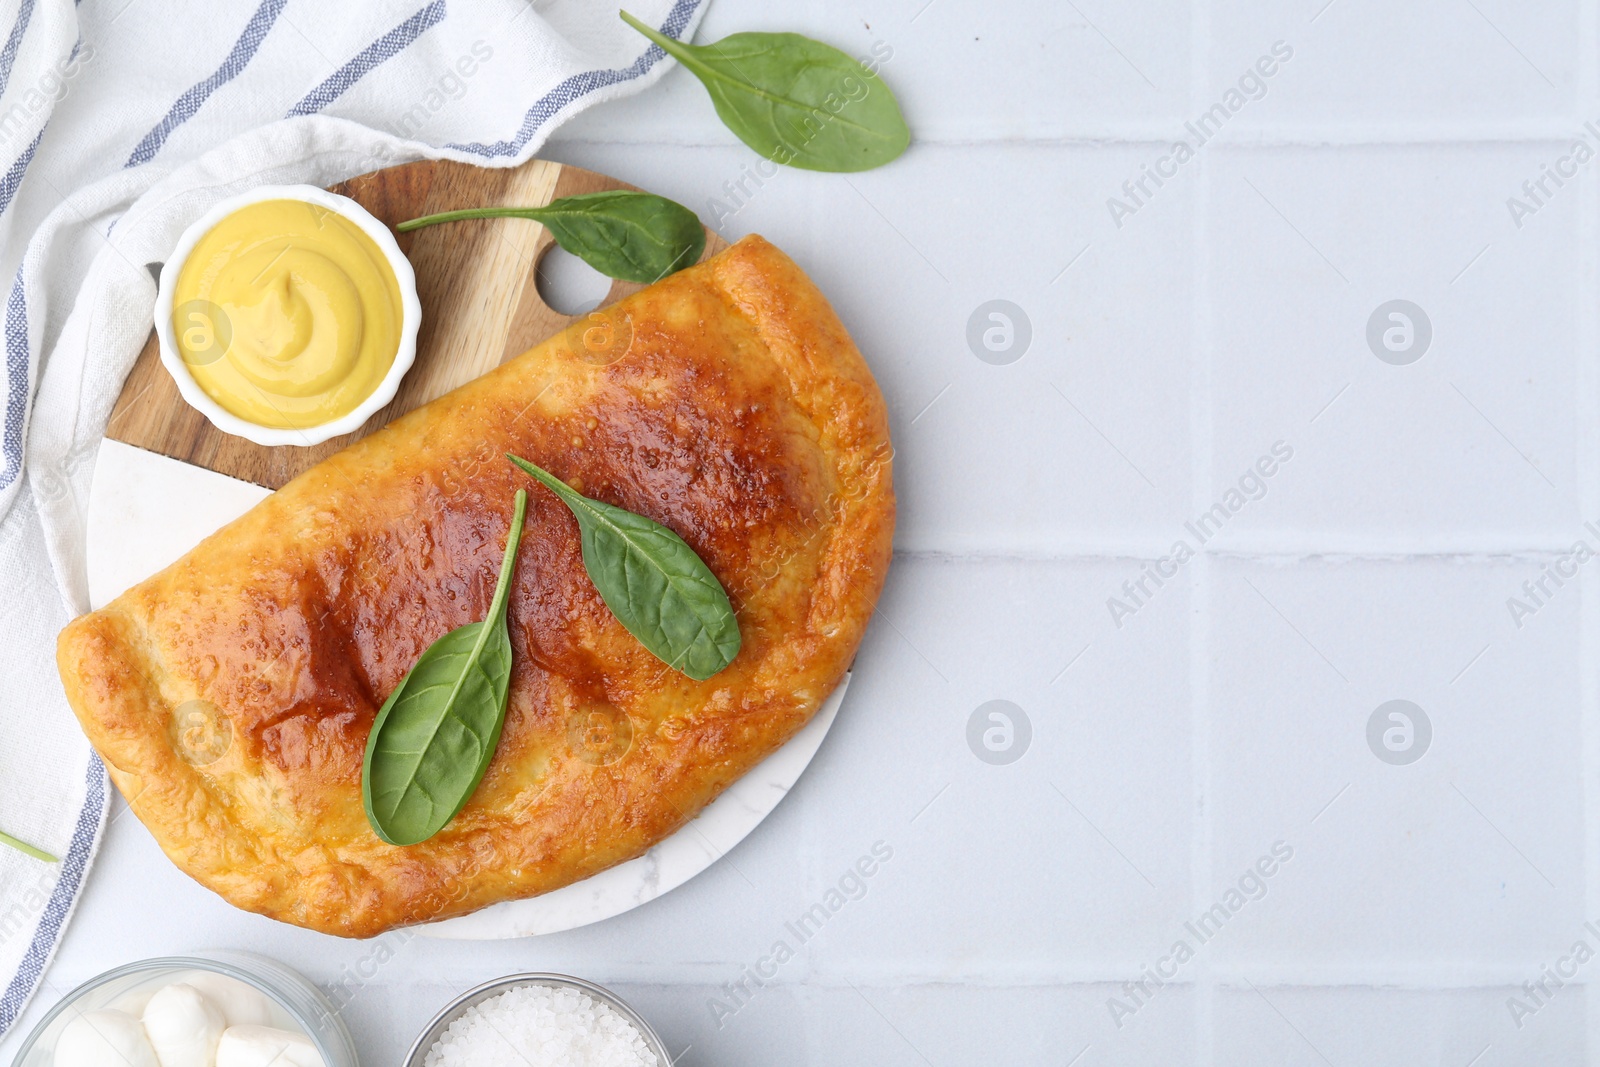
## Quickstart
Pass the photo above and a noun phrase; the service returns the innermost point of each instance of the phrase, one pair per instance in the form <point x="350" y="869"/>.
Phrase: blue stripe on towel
<point x="68" y="881"/>
<point x="244" y="49"/>
<point x="385" y="47"/>
<point x="12" y="181"/>
<point x="16" y="343"/>
<point x="580" y="85"/>
<point x="8" y="55"/>
<point x="16" y="337"/>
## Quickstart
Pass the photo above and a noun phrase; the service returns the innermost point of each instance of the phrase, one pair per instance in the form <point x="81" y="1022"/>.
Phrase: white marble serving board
<point x="146" y="510"/>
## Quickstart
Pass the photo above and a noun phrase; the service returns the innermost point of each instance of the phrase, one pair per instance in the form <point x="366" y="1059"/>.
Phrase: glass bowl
<point x="302" y="1004"/>
<point x="478" y="994"/>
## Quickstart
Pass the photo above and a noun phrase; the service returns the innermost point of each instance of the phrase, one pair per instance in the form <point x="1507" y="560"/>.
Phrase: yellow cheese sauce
<point x="287" y="314"/>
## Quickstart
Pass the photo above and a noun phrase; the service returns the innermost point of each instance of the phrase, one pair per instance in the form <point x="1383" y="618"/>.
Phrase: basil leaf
<point x="798" y="102"/>
<point x="433" y="738"/>
<point x="653" y="582"/>
<point x="25" y="848"/>
<point x="638" y="237"/>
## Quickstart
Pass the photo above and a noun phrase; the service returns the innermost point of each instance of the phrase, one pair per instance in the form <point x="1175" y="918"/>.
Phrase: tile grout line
<point x="1330" y="553"/>
<point x="1200" y="411"/>
<point x="1549" y="129"/>
<point x="1587" y="466"/>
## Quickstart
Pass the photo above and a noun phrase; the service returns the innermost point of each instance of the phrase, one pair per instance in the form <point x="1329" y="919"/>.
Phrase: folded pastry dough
<point x="231" y="694"/>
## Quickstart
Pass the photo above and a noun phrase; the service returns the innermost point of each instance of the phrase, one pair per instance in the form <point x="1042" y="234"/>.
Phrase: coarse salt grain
<point x="547" y="1026"/>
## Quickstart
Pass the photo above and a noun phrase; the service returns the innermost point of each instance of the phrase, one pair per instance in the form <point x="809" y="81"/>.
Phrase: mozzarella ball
<point x="241" y="1004"/>
<point x="184" y="1027"/>
<point x="98" y="1038"/>
<point x="263" y="1046"/>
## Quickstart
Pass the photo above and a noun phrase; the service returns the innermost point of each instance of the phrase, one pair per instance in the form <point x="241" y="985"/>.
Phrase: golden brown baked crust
<point x="232" y="693"/>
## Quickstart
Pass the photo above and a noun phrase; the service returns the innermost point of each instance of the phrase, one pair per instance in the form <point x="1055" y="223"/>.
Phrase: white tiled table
<point x="1228" y="713"/>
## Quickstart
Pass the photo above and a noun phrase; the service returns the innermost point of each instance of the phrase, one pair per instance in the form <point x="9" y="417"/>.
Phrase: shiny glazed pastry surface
<point x="231" y="695"/>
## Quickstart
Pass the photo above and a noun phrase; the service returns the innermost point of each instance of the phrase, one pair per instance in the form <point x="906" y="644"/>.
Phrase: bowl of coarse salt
<point x="544" y="1020"/>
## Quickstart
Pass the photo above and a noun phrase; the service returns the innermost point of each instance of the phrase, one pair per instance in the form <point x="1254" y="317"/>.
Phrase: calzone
<point x="231" y="695"/>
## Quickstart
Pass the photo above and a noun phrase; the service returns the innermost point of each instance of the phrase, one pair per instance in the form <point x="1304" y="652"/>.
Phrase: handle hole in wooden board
<point x="567" y="284"/>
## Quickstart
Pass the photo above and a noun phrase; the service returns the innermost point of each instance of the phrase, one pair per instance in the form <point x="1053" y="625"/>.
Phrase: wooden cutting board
<point x="480" y="307"/>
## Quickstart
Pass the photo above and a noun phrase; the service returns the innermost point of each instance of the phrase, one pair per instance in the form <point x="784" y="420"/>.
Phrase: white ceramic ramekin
<point x="226" y="421"/>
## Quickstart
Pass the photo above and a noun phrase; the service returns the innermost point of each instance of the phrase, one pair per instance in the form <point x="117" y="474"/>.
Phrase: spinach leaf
<point x="433" y="738"/>
<point x="798" y="102"/>
<point x="638" y="237"/>
<point x="653" y="583"/>
<point x="25" y="848"/>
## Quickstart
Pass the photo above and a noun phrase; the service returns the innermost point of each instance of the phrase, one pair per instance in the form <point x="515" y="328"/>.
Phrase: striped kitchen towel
<point x="120" y="122"/>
